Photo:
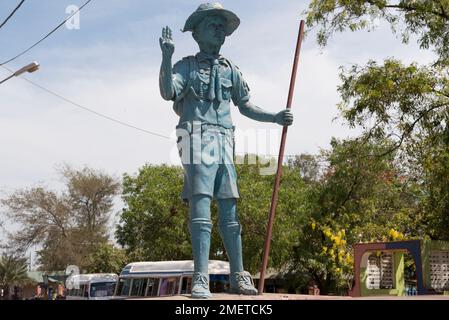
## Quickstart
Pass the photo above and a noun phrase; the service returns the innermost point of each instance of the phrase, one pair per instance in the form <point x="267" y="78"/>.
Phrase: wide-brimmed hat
<point x="208" y="9"/>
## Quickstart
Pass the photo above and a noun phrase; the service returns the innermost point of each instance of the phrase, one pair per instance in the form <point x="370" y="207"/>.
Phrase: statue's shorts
<point x="207" y="154"/>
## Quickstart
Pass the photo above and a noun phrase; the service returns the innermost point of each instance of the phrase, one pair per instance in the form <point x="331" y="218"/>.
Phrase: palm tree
<point x="13" y="272"/>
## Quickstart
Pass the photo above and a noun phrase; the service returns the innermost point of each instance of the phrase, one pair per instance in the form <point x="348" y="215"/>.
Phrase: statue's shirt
<point x="192" y="82"/>
<point x="204" y="87"/>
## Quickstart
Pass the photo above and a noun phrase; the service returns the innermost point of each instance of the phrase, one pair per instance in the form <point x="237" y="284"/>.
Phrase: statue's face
<point x="212" y="31"/>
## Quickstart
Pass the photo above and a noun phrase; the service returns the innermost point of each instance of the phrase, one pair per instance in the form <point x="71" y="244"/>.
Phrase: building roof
<point x="182" y="266"/>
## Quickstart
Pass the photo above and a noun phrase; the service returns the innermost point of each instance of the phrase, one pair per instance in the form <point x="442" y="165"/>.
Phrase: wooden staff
<point x="274" y="198"/>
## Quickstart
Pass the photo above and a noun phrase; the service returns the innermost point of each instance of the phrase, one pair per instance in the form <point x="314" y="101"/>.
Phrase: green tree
<point x="254" y="207"/>
<point x="426" y="19"/>
<point x="107" y="259"/>
<point x="67" y="225"/>
<point x="91" y="198"/>
<point x="154" y="222"/>
<point x="391" y="182"/>
<point x="13" y="272"/>
<point x="359" y="197"/>
<point x="407" y="104"/>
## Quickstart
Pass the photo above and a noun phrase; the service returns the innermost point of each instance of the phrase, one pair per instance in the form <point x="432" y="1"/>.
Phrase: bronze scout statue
<point x="202" y="87"/>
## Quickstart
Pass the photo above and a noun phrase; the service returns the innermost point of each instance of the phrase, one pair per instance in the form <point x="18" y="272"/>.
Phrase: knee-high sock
<point x="232" y="240"/>
<point x="200" y="230"/>
<point x="230" y="232"/>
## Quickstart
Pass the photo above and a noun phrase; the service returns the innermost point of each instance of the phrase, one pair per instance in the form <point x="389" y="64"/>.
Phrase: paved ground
<point x="277" y="296"/>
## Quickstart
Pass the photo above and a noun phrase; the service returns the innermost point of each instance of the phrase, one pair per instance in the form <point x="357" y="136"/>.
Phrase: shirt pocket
<point x="226" y="88"/>
<point x="202" y="85"/>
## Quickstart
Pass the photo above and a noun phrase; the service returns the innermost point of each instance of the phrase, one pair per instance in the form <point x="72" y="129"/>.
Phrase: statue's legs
<point x="200" y="229"/>
<point x="230" y="231"/>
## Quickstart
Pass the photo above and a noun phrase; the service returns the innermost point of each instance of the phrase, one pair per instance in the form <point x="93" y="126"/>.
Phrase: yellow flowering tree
<point x="358" y="198"/>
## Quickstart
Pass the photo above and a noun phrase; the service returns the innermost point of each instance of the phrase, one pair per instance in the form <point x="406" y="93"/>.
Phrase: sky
<point x="111" y="65"/>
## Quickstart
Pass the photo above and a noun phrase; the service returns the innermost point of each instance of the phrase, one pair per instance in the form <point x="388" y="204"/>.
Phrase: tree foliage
<point x="13" y="272"/>
<point x="407" y="104"/>
<point x="392" y="181"/>
<point x="67" y="225"/>
<point x="358" y="197"/>
<point x="426" y="19"/>
<point x="254" y="207"/>
<point x="154" y="223"/>
<point x="107" y="259"/>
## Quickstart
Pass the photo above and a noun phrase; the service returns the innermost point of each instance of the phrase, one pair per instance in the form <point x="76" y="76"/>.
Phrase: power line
<point x="286" y="157"/>
<point x="88" y="109"/>
<point x="110" y="118"/>
<point x="49" y="34"/>
<point x="289" y="156"/>
<point x="12" y="13"/>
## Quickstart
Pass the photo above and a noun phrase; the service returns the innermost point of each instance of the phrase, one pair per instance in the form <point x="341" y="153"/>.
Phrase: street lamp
<point x="32" y="67"/>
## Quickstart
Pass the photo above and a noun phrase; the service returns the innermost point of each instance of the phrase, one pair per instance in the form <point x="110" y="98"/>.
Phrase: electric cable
<point x="88" y="109"/>
<point x="12" y="13"/>
<point x="49" y="34"/>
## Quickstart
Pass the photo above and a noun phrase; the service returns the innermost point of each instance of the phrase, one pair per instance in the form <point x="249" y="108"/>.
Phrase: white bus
<point x="94" y="286"/>
<point x="165" y="278"/>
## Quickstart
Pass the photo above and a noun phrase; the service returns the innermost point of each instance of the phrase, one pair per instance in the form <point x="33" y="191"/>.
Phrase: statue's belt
<point x="191" y="127"/>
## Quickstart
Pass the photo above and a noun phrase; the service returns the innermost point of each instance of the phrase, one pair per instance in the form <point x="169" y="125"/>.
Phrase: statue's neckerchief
<point x="215" y="77"/>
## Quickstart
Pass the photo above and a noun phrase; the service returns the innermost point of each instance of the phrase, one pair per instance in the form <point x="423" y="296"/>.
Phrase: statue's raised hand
<point x="166" y="42"/>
